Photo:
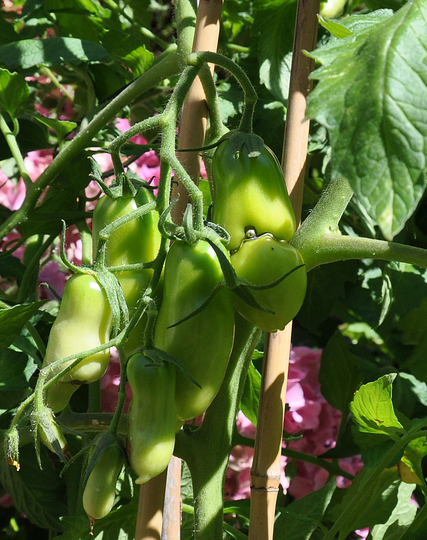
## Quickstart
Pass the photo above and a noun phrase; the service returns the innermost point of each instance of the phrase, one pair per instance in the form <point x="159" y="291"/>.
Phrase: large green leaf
<point x="274" y="27"/>
<point x="39" y="494"/>
<point x="371" y="96"/>
<point x="372" y="408"/>
<point x="51" y="52"/>
<point x="12" y="321"/>
<point x="14" y="91"/>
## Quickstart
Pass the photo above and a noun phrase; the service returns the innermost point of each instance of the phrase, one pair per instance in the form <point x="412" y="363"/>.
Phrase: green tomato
<point x="99" y="493"/>
<point x="152" y="417"/>
<point x="263" y="260"/>
<point x="138" y="241"/>
<point x="84" y="322"/>
<point x="248" y="190"/>
<point x="203" y="343"/>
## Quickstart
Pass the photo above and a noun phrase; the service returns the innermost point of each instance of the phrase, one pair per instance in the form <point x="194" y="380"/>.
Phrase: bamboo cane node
<point x="266" y="483"/>
<point x="268" y="489"/>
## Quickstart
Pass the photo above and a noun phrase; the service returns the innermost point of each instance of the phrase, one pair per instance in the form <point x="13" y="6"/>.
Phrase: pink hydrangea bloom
<point x="6" y="501"/>
<point x="11" y="196"/>
<point x="310" y="414"/>
<point x="36" y="162"/>
<point x="110" y="385"/>
<point x="147" y="166"/>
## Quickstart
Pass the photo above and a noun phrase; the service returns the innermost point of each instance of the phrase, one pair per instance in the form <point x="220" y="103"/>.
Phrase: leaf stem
<point x="170" y="65"/>
<point x="320" y="242"/>
<point x="10" y="137"/>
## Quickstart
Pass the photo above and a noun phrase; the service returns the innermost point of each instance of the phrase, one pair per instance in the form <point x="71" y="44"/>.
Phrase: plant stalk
<point x="207" y="461"/>
<point x="266" y="468"/>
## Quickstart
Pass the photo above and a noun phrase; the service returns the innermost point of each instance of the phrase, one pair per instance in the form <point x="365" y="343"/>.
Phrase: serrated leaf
<point x="14" y="91"/>
<point x="55" y="51"/>
<point x="38" y="494"/>
<point x="371" y="96"/>
<point x="12" y="321"/>
<point x="339" y="374"/>
<point x="372" y="408"/>
<point x="250" y="398"/>
<point x="274" y="27"/>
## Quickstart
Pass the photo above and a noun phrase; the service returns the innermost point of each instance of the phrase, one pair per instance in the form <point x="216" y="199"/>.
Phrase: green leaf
<point x="117" y="525"/>
<point x="274" y="27"/>
<point x="7" y="31"/>
<point x="15" y="370"/>
<point x="12" y="321"/>
<point x="60" y="127"/>
<point x="372" y="408"/>
<point x="400" y="519"/>
<point x="299" y="520"/>
<point x="414" y="454"/>
<point x="414" y="325"/>
<point x="339" y="374"/>
<point x="55" y="51"/>
<point x="12" y="267"/>
<point x="39" y="494"/>
<point x="250" y="398"/>
<point x="14" y="91"/>
<point x="129" y="50"/>
<point x="371" y="96"/>
<point x="32" y="136"/>
<point x="324" y="286"/>
<point x="336" y="29"/>
<point x="378" y="505"/>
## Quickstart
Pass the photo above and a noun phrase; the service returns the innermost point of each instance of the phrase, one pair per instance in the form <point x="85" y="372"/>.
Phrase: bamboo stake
<point x="266" y="469"/>
<point x="150" y="509"/>
<point x="192" y="135"/>
<point x="195" y="112"/>
<point x="172" y="506"/>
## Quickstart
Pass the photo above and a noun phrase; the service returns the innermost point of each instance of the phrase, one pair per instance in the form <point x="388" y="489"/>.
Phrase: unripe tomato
<point x="84" y="322"/>
<point x="249" y="190"/>
<point x="137" y="241"/>
<point x="203" y="343"/>
<point x="100" y="491"/>
<point x="263" y="260"/>
<point x="152" y="417"/>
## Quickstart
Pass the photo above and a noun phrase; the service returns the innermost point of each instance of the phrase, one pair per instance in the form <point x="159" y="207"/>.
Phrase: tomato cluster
<point x="176" y="366"/>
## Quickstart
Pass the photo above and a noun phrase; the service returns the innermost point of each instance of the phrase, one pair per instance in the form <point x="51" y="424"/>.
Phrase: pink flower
<point x="36" y="162"/>
<point x="147" y="166"/>
<point x="238" y="476"/>
<point x="6" y="501"/>
<point x="11" y="196"/>
<point x="51" y="273"/>
<point x="110" y="385"/>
